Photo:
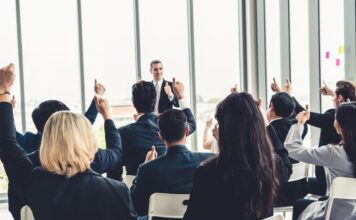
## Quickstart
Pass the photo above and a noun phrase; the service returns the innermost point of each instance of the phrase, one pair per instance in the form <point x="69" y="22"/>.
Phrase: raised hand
<point x="7" y="77"/>
<point x="325" y="90"/>
<point x="168" y="90"/>
<point x="303" y="116"/>
<point x="178" y="88"/>
<point x="234" y="89"/>
<point x="102" y="105"/>
<point x="151" y="154"/>
<point x="274" y="86"/>
<point x="209" y="123"/>
<point x="216" y="132"/>
<point x="99" y="88"/>
<point x="288" y="87"/>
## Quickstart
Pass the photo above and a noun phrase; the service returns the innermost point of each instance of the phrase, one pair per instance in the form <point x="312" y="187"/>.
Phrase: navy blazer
<point x="171" y="173"/>
<point x="138" y="138"/>
<point x="86" y="195"/>
<point x="31" y="142"/>
<point x="164" y="102"/>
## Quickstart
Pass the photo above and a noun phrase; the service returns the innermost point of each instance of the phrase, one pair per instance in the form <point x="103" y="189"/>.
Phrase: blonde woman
<point x="64" y="187"/>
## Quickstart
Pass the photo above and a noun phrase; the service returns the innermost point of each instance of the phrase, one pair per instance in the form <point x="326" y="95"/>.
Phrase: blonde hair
<point x="68" y="144"/>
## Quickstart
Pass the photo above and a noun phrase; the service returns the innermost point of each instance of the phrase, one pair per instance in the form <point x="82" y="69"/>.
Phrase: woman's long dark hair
<point x="246" y="154"/>
<point x="346" y="117"/>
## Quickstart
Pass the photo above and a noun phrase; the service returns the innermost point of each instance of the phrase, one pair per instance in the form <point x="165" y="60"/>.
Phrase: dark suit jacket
<point x="164" y="102"/>
<point x="138" y="138"/>
<point x="213" y="197"/>
<point x="171" y="173"/>
<point x="324" y="121"/>
<point x="31" y="142"/>
<point x="86" y="195"/>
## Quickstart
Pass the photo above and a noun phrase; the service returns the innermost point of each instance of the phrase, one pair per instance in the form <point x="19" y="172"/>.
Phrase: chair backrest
<point x="300" y="171"/>
<point x="167" y="205"/>
<point x="341" y="188"/>
<point x="275" y="217"/>
<point x="128" y="180"/>
<point x="26" y="213"/>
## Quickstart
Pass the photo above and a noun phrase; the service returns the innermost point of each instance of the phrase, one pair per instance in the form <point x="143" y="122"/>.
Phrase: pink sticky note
<point x="327" y="55"/>
<point x="337" y="62"/>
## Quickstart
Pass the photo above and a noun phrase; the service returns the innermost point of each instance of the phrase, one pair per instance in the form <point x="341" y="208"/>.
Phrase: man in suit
<point x="139" y="137"/>
<point x="172" y="172"/>
<point x="345" y="91"/>
<point x="165" y="97"/>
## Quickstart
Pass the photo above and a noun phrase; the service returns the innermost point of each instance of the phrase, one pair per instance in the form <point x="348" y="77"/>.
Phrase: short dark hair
<point x="144" y="96"/>
<point x="155" y="62"/>
<point x="283" y="104"/>
<point x="346" y="89"/>
<point x="46" y="109"/>
<point x="172" y="124"/>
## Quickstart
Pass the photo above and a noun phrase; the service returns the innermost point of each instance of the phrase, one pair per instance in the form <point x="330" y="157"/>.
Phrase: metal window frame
<point x="285" y="40"/>
<point x="350" y="39"/>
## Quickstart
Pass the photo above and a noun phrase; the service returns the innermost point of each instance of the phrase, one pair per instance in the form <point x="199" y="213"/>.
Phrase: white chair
<point x="26" y="213"/>
<point x="341" y="188"/>
<point x="167" y="205"/>
<point x="300" y="171"/>
<point x="275" y="217"/>
<point x="128" y="180"/>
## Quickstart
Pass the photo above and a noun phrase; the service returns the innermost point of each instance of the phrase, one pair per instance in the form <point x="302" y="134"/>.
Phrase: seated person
<point x="64" y="187"/>
<point x="172" y="172"/>
<point x="140" y="136"/>
<point x="338" y="160"/>
<point x="31" y="142"/>
<point x="241" y="181"/>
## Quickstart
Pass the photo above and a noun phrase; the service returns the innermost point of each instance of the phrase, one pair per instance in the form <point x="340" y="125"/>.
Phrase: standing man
<point x="166" y="98"/>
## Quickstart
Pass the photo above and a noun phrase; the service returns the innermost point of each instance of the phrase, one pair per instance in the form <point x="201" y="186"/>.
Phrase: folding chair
<point x="167" y="205"/>
<point x="275" y="217"/>
<point x="341" y="188"/>
<point x="26" y="213"/>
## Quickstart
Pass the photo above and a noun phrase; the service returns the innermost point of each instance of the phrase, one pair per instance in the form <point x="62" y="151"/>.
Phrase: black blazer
<point x="86" y="195"/>
<point x="138" y="138"/>
<point x="213" y="196"/>
<point x="164" y="102"/>
<point x="171" y="173"/>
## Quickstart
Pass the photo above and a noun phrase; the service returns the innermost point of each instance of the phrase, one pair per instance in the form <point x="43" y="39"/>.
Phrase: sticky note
<point x="337" y="62"/>
<point x="341" y="49"/>
<point x="327" y="54"/>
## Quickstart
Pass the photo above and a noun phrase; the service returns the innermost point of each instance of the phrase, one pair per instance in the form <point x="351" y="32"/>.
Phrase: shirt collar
<point x="177" y="149"/>
<point x="159" y="82"/>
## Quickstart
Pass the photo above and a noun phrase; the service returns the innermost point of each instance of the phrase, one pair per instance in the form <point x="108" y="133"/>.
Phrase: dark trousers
<point x="318" y="185"/>
<point x="299" y="207"/>
<point x="290" y="192"/>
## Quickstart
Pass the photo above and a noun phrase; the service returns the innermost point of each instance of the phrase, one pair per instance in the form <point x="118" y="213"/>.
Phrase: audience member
<point x="165" y="97"/>
<point x="338" y="160"/>
<point x="240" y="182"/>
<point x="140" y="136"/>
<point x="172" y="172"/>
<point x="64" y="187"/>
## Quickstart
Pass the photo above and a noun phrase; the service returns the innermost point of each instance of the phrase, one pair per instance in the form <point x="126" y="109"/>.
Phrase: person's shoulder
<point x="330" y="112"/>
<point x="204" y="155"/>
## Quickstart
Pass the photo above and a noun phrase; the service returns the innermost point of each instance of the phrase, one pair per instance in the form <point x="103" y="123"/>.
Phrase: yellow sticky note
<point x="341" y="49"/>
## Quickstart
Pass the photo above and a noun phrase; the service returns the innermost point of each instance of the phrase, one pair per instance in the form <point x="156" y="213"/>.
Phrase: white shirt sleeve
<point x="183" y="103"/>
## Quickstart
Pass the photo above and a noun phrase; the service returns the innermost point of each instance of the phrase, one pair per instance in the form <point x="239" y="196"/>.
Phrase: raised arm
<point x="110" y="158"/>
<point x="92" y="112"/>
<point x="178" y="87"/>
<point x="17" y="165"/>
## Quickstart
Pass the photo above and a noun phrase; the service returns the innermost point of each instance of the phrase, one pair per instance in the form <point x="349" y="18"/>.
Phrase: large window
<point x="331" y="45"/>
<point x="50" y="49"/>
<point x="108" y="42"/>
<point x="164" y="36"/>
<point x="216" y="55"/>
<point x="273" y="47"/>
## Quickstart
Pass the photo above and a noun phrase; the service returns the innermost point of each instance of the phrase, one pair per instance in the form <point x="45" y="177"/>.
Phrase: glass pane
<point x="164" y="36"/>
<point x="273" y="40"/>
<point x="299" y="49"/>
<point x="50" y="48"/>
<point x="109" y="55"/>
<point x="216" y="56"/>
<point x="331" y="45"/>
